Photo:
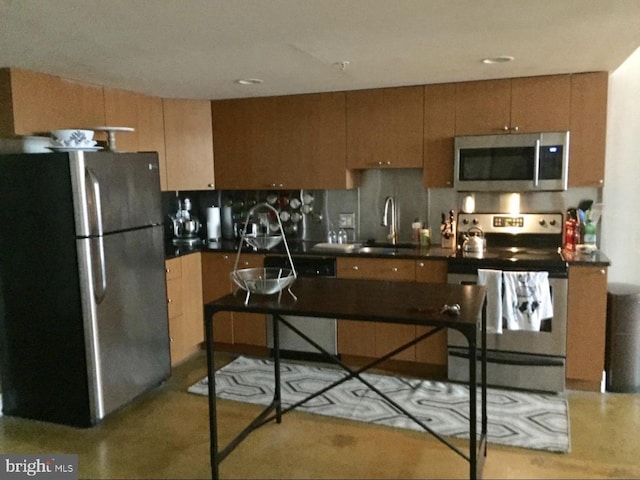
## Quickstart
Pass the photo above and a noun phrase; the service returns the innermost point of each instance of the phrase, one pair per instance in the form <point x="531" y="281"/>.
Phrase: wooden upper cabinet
<point x="244" y="142"/>
<point x="483" y="108"/>
<point x="385" y="128"/>
<point x="35" y="103"/>
<point x="522" y="105"/>
<point x="151" y="132"/>
<point x="121" y="110"/>
<point x="312" y="141"/>
<point x="541" y="104"/>
<point x="439" y="130"/>
<point x="588" y="128"/>
<point x="290" y="142"/>
<point x="188" y="144"/>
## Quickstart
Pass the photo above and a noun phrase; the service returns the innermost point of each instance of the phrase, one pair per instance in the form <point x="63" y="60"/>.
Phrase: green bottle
<point x="590" y="236"/>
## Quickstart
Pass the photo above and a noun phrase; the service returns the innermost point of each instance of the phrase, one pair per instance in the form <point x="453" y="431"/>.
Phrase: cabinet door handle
<point x="421" y="264"/>
<point x="169" y="300"/>
<point x="167" y="270"/>
<point x="210" y="185"/>
<point x="225" y="257"/>
<point x="277" y="185"/>
<point x="355" y="267"/>
<point x="515" y="129"/>
<point x="603" y="271"/>
<point x="505" y="128"/>
<point x="394" y="269"/>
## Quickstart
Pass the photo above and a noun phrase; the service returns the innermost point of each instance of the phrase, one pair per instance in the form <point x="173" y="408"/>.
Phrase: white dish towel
<point x="492" y="279"/>
<point x="526" y="300"/>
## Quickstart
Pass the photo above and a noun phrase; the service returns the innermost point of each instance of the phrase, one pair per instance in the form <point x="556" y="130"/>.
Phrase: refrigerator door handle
<point x="94" y="205"/>
<point x="97" y="242"/>
<point x="98" y="268"/>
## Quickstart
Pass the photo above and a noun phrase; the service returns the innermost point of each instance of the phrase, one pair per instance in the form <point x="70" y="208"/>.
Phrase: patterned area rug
<point x="518" y="419"/>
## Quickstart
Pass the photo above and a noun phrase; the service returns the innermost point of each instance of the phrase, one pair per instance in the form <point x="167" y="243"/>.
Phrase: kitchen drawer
<point x="375" y="268"/>
<point x="173" y="268"/>
<point x="174" y="297"/>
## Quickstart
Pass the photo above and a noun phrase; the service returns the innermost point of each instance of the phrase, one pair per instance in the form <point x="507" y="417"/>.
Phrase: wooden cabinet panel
<point x="192" y="303"/>
<point x="312" y="141"/>
<point x="586" y="324"/>
<point x="188" y="144"/>
<point x="375" y="339"/>
<point x="151" y="132"/>
<point x="121" y="110"/>
<point x="174" y="297"/>
<point x="541" y="104"/>
<point x="523" y="105"/>
<point x="244" y="134"/>
<point x="291" y="142"/>
<point x="434" y="349"/>
<point x="385" y="128"/>
<point x="184" y="303"/>
<point x="483" y="108"/>
<point x="215" y="284"/>
<point x="250" y="328"/>
<point x="589" y="93"/>
<point x="40" y="103"/>
<point x="439" y="130"/>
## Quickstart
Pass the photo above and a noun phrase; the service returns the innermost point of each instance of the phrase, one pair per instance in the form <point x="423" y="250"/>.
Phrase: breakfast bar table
<point x="440" y="306"/>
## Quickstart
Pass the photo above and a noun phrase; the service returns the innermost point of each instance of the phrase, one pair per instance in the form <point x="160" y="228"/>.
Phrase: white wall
<point x="620" y="227"/>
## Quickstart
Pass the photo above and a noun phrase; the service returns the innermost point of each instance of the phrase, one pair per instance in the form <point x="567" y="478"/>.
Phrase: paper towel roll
<point x="213" y="224"/>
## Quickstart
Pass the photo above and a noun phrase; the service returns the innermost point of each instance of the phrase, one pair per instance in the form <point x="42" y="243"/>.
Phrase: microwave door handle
<point x="536" y="164"/>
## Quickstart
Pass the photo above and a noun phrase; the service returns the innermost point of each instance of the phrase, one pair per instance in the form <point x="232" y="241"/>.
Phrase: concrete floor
<point x="165" y="435"/>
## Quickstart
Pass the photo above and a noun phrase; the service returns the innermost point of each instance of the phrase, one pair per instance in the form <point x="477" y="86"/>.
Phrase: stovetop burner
<point x="514" y="242"/>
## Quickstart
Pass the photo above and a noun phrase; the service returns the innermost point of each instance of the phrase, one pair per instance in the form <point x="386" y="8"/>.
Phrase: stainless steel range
<point x="517" y="246"/>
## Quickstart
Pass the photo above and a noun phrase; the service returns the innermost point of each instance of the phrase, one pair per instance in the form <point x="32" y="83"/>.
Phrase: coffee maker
<point x="185" y="225"/>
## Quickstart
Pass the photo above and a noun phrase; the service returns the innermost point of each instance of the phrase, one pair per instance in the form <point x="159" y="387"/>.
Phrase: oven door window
<point x="504" y="163"/>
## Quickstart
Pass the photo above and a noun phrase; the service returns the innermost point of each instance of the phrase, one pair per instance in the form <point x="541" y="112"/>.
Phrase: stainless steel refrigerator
<point x="83" y="319"/>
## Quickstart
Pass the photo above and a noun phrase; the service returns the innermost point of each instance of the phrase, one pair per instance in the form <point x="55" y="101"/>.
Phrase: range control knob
<point x="542" y="222"/>
<point x="552" y="222"/>
<point x="476" y="221"/>
<point x="465" y="221"/>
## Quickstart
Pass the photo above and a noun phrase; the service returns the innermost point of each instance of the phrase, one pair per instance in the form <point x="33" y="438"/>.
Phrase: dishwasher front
<point x="323" y="331"/>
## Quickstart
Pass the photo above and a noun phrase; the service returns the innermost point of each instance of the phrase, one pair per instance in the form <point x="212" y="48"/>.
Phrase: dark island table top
<point x="373" y="300"/>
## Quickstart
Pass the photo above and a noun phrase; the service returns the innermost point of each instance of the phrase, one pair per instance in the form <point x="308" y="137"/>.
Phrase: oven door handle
<point x="520" y="359"/>
<point x="536" y="164"/>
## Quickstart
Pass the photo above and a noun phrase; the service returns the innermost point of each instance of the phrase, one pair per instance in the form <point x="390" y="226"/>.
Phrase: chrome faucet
<point x="393" y="227"/>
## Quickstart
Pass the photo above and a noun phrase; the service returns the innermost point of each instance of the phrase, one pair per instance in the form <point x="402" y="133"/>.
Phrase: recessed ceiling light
<point x="500" y="59"/>
<point x="249" y="81"/>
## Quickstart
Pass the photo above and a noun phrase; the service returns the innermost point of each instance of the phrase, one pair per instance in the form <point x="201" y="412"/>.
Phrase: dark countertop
<point x="299" y="247"/>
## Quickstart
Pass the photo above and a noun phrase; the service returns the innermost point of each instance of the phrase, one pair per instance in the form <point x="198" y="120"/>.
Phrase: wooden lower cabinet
<point x="370" y="339"/>
<point x="184" y="305"/>
<point x="231" y="328"/>
<point x="586" y="326"/>
<point x="434" y="349"/>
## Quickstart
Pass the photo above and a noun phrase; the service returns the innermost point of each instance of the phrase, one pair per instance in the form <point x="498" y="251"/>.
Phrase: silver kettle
<point x="474" y="240"/>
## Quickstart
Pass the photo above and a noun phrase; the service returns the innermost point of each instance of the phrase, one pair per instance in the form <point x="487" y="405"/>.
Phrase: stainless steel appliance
<point x="323" y="331"/>
<point x="185" y="225"/>
<point x="512" y="162"/>
<point x="83" y="318"/>
<point x="532" y="360"/>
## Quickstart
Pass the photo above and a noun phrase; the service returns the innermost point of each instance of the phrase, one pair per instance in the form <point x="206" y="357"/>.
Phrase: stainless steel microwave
<point x="512" y="162"/>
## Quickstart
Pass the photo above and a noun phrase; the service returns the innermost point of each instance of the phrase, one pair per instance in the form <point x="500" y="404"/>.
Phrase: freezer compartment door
<point x="123" y="293"/>
<point x="114" y="191"/>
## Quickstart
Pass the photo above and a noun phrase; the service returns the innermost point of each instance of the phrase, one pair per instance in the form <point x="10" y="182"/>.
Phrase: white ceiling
<point x="198" y="48"/>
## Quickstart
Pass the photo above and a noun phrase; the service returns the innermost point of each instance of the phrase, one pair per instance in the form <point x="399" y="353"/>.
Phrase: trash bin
<point x="622" y="353"/>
